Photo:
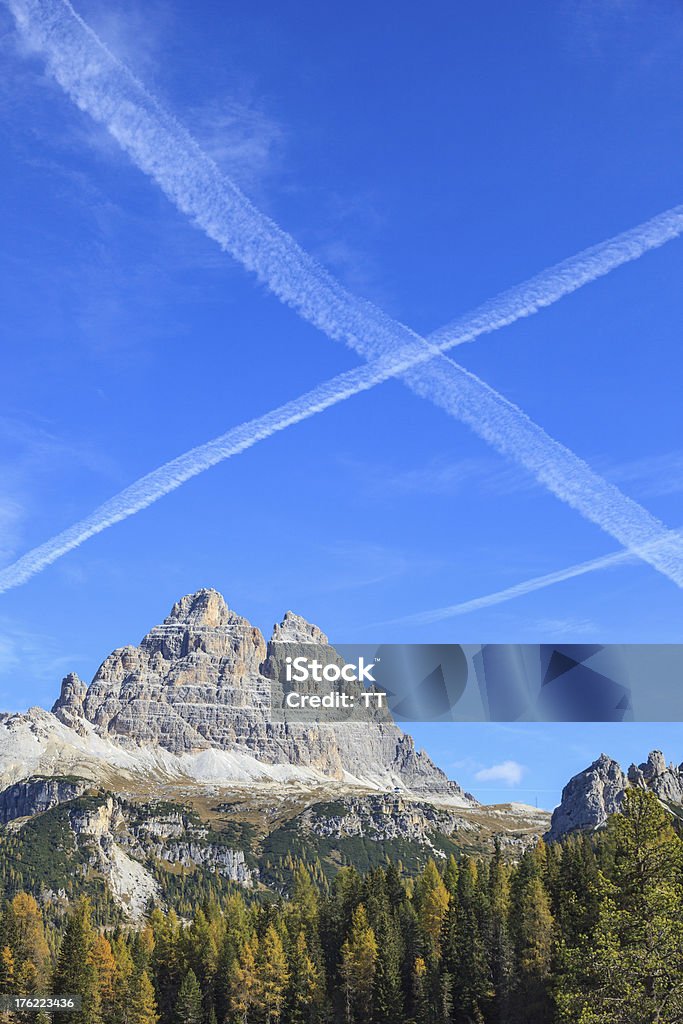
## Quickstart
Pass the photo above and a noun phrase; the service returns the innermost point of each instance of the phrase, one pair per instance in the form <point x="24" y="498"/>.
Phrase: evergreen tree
<point x="188" y="1009"/>
<point x="533" y="931"/>
<point x="631" y="969"/>
<point x="432" y="904"/>
<point x="142" y="1007"/>
<point x="387" y="992"/>
<point x="497" y="937"/>
<point x="7" y="975"/>
<point x="357" y="967"/>
<point x="167" y="959"/>
<point x="274" y="975"/>
<point x="419" y="996"/>
<point x="244" y="984"/>
<point x="450" y="876"/>
<point x="306" y="990"/>
<point x="464" y="952"/>
<point x="75" y="972"/>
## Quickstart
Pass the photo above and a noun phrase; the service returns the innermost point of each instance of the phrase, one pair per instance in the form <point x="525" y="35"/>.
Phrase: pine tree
<point x="387" y="991"/>
<point x="305" y="989"/>
<point x="274" y="974"/>
<point x="450" y="876"/>
<point x="142" y="1004"/>
<point x="7" y="976"/>
<point x="202" y="949"/>
<point x="533" y="934"/>
<point x="419" y="996"/>
<point x="464" y="951"/>
<point x="75" y="973"/>
<point x="497" y="937"/>
<point x="188" y="1009"/>
<point x="432" y="904"/>
<point x="244" y="983"/>
<point x="29" y="942"/>
<point x="167" y="958"/>
<point x="336" y="913"/>
<point x="357" y="967"/>
<point x="631" y="968"/>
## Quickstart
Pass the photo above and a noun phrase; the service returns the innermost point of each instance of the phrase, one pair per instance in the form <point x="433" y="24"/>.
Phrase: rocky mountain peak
<point x="200" y="686"/>
<point x="654" y="766"/>
<point x="69" y="705"/>
<point x="595" y="793"/>
<point x="296" y="630"/>
<point x="589" y="798"/>
<point x="206" y="608"/>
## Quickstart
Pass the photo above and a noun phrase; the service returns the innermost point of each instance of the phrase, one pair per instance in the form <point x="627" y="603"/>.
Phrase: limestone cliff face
<point x="202" y="681"/>
<point x="595" y="793"/>
<point x="34" y="796"/>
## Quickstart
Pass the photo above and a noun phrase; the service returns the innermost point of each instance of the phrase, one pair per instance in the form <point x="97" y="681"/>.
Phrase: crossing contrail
<point x="173" y="474"/>
<point x="163" y="149"/>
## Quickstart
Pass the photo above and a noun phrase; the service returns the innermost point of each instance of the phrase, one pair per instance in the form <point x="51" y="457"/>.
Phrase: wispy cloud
<point x="243" y="140"/>
<point x="564" y="628"/>
<point x="510" y="773"/>
<point x="12" y="515"/>
<point x="441" y="476"/>
<point x="27" y="655"/>
<point x="33" y="455"/>
<point x="654" y="476"/>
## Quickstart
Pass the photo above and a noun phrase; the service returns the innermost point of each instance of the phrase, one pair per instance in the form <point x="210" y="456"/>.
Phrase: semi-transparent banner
<point x="477" y="682"/>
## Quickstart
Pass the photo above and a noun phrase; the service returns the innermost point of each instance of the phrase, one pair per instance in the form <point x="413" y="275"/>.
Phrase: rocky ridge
<point x="595" y="793"/>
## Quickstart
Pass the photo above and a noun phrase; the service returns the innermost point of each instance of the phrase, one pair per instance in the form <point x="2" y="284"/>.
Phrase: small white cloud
<point x="509" y="772"/>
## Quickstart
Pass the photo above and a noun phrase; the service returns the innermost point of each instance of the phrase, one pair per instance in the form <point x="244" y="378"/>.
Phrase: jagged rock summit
<point x="193" y="700"/>
<point x="595" y="793"/>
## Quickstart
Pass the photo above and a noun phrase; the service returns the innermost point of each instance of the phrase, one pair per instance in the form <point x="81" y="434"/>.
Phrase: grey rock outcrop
<point x="664" y="780"/>
<point x="69" y="705"/>
<point x="592" y="795"/>
<point x="589" y="798"/>
<point x="34" y="796"/>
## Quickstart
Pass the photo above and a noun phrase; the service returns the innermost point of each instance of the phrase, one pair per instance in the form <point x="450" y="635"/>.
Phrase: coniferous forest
<point x="588" y="931"/>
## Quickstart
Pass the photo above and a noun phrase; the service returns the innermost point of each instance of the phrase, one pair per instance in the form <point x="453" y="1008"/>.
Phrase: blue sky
<point x="429" y="158"/>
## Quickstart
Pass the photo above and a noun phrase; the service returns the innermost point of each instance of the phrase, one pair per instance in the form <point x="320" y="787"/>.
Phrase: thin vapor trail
<point x="173" y="474"/>
<point x="475" y="604"/>
<point x="163" y="149"/>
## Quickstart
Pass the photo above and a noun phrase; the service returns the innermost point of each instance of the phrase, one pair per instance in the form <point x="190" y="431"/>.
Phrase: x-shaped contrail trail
<point x="101" y="85"/>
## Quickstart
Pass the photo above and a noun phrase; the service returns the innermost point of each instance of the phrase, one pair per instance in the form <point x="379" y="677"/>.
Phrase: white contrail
<point x="99" y="84"/>
<point x="173" y="474"/>
<point x="475" y="604"/>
